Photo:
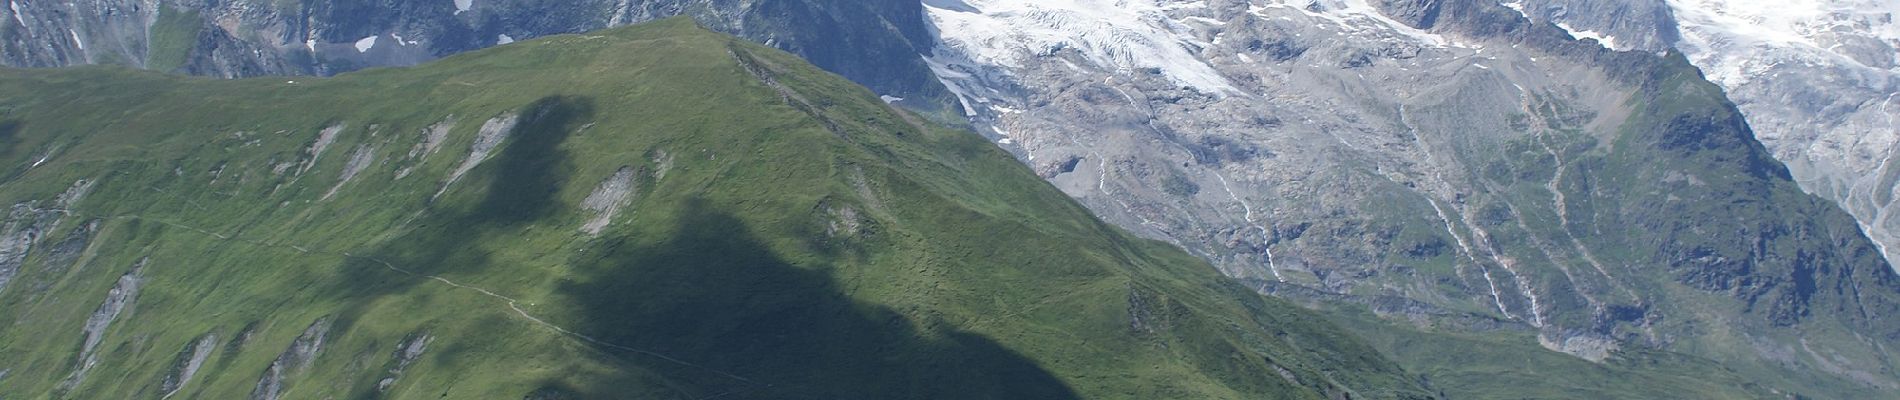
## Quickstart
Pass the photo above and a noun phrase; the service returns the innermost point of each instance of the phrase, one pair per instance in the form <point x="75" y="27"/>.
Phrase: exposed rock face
<point x="872" y="42"/>
<point x="189" y="361"/>
<point x="1449" y="152"/>
<point x="359" y="160"/>
<point x="295" y="358"/>
<point x="1816" y="80"/>
<point x="117" y="301"/>
<point x="56" y="33"/>
<point x="26" y="225"/>
<point x="16" y="239"/>
<point x="487" y="139"/>
<point x="1631" y="25"/>
<point x="407" y="352"/>
<point x="607" y="199"/>
<point x="1819" y="93"/>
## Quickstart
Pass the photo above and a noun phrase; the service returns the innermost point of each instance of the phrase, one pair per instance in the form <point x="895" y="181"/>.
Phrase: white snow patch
<point x="1119" y="35"/>
<point x="1579" y="34"/>
<point x="364" y="44"/>
<point x="952" y="79"/>
<point x="76" y="40"/>
<point x="462" y="6"/>
<point x="310" y="44"/>
<point x="43" y="158"/>
<point x="17" y="16"/>
<point x="504" y="39"/>
<point x="889" y="98"/>
<point x="1517" y="5"/>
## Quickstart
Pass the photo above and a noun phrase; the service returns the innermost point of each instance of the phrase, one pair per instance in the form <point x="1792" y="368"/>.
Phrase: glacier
<point x="1115" y="34"/>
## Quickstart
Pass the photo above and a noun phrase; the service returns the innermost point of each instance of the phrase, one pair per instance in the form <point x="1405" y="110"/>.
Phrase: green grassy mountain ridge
<point x="647" y="212"/>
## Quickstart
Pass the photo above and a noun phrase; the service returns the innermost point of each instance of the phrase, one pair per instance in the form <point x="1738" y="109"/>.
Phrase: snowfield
<point x="1116" y="35"/>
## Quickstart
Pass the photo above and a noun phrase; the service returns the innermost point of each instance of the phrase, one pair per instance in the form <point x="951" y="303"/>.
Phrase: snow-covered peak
<point x="1118" y="35"/>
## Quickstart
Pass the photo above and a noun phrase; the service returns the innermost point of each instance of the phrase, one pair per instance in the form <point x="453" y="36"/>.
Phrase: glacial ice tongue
<point x="1116" y="35"/>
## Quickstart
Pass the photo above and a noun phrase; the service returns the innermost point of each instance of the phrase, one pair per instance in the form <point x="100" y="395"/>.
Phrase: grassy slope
<point x="1684" y="172"/>
<point x="1685" y="175"/>
<point x="789" y="236"/>
<point x="1511" y="365"/>
<point x="1818" y="282"/>
<point x="173" y="36"/>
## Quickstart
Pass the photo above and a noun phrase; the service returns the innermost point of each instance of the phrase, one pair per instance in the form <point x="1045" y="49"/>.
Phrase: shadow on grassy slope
<point x="520" y="184"/>
<point x="532" y="166"/>
<point x="9" y="148"/>
<point x="518" y="187"/>
<point x="713" y="294"/>
<point x="7" y="131"/>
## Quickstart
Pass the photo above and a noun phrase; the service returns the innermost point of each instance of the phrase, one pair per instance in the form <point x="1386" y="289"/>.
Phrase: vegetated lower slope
<point x="650" y="212"/>
<point x="1509" y="364"/>
<point x="1452" y="155"/>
